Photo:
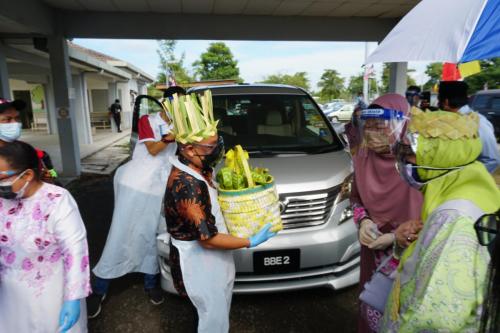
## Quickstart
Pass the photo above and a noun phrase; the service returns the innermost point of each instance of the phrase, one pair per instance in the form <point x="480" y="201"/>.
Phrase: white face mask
<point x="10" y="132"/>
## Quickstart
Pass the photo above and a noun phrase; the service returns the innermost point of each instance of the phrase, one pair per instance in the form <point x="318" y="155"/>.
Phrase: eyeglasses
<point x="487" y="228"/>
<point x="220" y="141"/>
<point x="8" y="173"/>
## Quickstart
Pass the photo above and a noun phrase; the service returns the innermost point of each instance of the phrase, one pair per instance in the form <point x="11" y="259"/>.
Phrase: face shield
<point x="405" y="151"/>
<point x="380" y="128"/>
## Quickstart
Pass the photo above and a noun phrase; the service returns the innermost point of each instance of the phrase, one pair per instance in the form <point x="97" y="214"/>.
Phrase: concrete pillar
<point x="64" y="96"/>
<point x="4" y="75"/>
<point x="398" y="77"/>
<point x="112" y="95"/>
<point x="140" y="89"/>
<point x="50" y="106"/>
<point x="82" y="110"/>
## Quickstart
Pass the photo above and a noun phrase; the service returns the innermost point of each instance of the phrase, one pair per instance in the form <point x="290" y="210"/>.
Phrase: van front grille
<point x="308" y="210"/>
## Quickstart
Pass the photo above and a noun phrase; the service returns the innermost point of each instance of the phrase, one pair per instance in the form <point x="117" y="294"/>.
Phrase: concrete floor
<point x="50" y="143"/>
<point x="128" y="310"/>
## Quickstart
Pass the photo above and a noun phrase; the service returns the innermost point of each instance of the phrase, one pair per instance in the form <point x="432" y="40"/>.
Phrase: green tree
<point x="217" y="63"/>
<point x="384" y="88"/>
<point x="356" y="85"/>
<point x="489" y="75"/>
<point x="298" y="79"/>
<point x="434" y="71"/>
<point x="331" y="85"/>
<point x="168" y="61"/>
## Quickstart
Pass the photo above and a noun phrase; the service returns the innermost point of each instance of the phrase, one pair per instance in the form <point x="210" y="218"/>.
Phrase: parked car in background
<point x="342" y="113"/>
<point x="332" y="107"/>
<point x="283" y="130"/>
<point x="487" y="102"/>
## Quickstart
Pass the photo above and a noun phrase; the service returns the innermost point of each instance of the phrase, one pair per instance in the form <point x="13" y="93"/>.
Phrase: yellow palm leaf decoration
<point x="193" y="122"/>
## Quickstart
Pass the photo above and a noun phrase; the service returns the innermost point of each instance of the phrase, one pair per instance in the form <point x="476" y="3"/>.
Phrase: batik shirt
<point x="188" y="213"/>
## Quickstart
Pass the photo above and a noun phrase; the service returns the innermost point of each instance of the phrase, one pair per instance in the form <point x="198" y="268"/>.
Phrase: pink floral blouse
<point x="41" y="238"/>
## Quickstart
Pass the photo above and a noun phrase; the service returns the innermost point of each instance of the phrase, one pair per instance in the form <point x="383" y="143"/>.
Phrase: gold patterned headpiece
<point x="444" y="125"/>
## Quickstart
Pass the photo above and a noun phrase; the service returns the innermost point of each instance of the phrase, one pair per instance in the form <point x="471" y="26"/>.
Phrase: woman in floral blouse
<point x="44" y="264"/>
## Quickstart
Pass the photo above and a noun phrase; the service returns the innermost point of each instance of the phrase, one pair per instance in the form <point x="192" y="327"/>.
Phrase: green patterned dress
<point x="443" y="281"/>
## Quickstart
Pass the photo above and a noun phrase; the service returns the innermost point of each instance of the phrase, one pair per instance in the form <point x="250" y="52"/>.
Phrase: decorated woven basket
<point x="247" y="210"/>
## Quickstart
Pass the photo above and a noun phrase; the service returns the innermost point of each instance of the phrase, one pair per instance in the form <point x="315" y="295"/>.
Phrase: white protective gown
<point x="208" y="274"/>
<point x="43" y="261"/>
<point x="139" y="187"/>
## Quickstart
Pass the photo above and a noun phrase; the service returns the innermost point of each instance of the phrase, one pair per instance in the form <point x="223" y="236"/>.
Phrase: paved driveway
<point x="128" y="310"/>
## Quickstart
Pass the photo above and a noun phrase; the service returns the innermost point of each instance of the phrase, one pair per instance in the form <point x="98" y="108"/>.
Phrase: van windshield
<point x="273" y="123"/>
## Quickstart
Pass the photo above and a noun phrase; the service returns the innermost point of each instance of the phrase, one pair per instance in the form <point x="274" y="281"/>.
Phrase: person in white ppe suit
<point x="201" y="260"/>
<point x="202" y="267"/>
<point x="139" y="186"/>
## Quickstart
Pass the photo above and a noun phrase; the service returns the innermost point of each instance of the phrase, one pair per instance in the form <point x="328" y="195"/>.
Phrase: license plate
<point x="279" y="261"/>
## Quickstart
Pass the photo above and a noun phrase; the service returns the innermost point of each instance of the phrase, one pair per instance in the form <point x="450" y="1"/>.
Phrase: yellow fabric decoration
<point x="469" y="68"/>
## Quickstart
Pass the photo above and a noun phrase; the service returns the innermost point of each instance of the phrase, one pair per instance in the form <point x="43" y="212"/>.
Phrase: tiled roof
<point x="98" y="55"/>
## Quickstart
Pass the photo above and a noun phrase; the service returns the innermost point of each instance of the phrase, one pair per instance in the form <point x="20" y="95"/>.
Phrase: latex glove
<point x="382" y="242"/>
<point x="69" y="315"/>
<point x="407" y="233"/>
<point x="263" y="235"/>
<point x="368" y="232"/>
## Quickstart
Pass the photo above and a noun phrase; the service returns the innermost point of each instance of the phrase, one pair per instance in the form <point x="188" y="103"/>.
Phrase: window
<point x="481" y="102"/>
<point x="495" y="104"/>
<point x="273" y="122"/>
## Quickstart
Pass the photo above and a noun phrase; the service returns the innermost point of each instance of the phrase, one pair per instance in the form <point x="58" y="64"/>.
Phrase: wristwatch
<point x="164" y="140"/>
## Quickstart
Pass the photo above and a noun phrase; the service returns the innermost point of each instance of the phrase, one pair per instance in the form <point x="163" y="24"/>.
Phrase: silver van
<point x="284" y="130"/>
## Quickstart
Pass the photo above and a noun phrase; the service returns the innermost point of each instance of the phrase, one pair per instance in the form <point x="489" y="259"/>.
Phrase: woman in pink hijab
<point x="386" y="209"/>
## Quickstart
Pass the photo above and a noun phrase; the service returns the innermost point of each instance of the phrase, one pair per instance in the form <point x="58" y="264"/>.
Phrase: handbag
<point x="376" y="291"/>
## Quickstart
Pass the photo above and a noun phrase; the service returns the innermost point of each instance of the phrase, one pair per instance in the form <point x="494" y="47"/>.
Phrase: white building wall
<point x="128" y="93"/>
<point x="20" y="85"/>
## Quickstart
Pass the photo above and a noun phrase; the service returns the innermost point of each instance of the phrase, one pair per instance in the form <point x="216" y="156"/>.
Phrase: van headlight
<point x="347" y="214"/>
<point x="344" y="194"/>
<point x="345" y="189"/>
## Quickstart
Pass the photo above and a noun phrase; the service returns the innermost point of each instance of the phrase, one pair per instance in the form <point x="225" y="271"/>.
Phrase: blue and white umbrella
<point x="455" y="31"/>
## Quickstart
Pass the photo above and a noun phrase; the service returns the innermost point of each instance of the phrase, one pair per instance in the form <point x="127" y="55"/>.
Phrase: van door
<point x="143" y="105"/>
<point x="492" y="112"/>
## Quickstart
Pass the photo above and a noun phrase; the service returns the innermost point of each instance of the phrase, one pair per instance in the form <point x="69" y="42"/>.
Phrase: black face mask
<point x="6" y="192"/>
<point x="209" y="161"/>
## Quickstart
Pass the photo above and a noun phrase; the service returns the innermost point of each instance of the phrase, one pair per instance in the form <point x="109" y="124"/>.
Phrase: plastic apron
<point x="208" y="274"/>
<point x="139" y="186"/>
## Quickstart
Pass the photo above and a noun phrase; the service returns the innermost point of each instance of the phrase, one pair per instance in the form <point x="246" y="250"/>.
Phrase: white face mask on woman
<point x="10" y="132"/>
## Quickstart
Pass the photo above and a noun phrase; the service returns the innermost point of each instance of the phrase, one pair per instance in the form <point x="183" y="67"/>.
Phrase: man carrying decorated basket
<point x="201" y="259"/>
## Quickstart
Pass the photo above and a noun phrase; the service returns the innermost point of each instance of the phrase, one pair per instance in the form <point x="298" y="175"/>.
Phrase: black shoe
<point x="155" y="296"/>
<point x="94" y="302"/>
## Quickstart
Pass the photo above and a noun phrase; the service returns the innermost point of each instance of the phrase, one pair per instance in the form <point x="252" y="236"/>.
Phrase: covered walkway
<point x="50" y="143"/>
<point x="45" y="25"/>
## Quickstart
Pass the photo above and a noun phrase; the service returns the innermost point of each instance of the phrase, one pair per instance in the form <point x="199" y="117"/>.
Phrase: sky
<point x="256" y="59"/>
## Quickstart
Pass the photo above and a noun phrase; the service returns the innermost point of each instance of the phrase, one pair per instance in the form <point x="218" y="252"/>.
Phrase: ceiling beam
<point x="25" y="57"/>
<point x="31" y="17"/>
<point x="223" y="27"/>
